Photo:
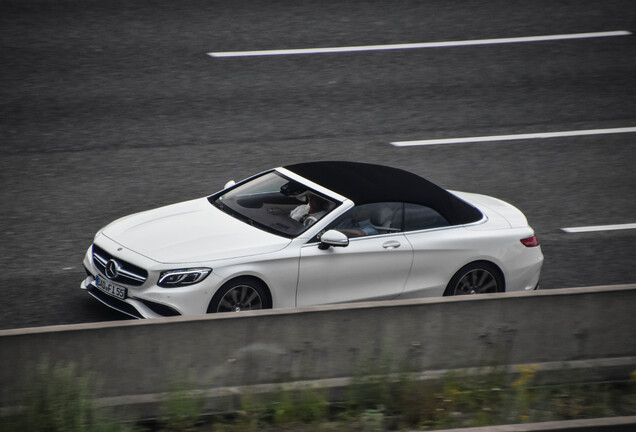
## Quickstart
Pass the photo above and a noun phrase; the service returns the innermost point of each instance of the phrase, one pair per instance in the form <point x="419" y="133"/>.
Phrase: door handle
<point x="391" y="244"/>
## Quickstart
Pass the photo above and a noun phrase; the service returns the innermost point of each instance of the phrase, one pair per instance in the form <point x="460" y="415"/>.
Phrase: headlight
<point x="183" y="277"/>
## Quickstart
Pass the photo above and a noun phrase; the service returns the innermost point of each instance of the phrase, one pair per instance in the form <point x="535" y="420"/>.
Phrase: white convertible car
<point x="309" y="234"/>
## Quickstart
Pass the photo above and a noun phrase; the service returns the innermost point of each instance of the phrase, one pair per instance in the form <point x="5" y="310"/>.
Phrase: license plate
<point x="110" y="288"/>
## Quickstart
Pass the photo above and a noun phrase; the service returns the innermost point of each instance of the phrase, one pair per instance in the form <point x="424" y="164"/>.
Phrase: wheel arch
<point x="244" y="278"/>
<point x="488" y="263"/>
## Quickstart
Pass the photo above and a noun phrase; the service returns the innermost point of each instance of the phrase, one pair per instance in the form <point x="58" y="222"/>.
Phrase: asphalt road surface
<point x="112" y="107"/>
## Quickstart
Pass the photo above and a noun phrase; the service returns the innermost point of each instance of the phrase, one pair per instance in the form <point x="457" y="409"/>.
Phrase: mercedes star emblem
<point x="112" y="269"/>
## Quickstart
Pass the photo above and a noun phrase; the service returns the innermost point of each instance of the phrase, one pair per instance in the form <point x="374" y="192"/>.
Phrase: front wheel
<point x="476" y="278"/>
<point x="240" y="295"/>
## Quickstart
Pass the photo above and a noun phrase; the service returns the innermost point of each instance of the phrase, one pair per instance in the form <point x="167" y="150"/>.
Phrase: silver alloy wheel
<point x="478" y="281"/>
<point x="240" y="298"/>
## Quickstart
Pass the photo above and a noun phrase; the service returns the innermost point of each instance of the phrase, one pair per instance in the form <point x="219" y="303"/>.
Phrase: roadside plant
<point x="305" y="406"/>
<point x="182" y="409"/>
<point x="57" y="398"/>
<point x="372" y="421"/>
<point x="524" y="392"/>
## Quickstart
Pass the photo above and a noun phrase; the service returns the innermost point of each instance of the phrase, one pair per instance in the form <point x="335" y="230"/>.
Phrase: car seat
<point x="381" y="218"/>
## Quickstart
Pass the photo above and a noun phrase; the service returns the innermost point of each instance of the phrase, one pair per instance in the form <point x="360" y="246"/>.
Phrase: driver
<point x="309" y="213"/>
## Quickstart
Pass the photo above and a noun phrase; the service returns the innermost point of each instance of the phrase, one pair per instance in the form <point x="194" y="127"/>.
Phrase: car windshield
<point x="275" y="203"/>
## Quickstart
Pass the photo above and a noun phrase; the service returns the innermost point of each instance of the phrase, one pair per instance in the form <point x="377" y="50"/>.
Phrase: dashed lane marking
<point x="419" y="45"/>
<point x="540" y="135"/>
<point x="600" y="228"/>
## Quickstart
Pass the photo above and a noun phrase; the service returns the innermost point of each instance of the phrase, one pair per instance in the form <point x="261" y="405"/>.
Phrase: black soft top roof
<point x="368" y="183"/>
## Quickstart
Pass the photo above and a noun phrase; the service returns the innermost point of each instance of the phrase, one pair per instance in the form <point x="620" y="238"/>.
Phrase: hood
<point x="192" y="231"/>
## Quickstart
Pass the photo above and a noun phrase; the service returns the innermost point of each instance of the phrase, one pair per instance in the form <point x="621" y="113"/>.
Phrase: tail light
<point x="530" y="241"/>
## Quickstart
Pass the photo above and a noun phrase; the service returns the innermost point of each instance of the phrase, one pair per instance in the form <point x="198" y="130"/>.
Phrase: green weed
<point x="182" y="409"/>
<point x="58" y="399"/>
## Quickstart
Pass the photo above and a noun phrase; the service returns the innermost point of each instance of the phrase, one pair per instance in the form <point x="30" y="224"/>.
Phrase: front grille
<point x="127" y="273"/>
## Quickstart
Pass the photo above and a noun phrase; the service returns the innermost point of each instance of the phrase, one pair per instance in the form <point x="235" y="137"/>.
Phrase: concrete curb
<point x="609" y="424"/>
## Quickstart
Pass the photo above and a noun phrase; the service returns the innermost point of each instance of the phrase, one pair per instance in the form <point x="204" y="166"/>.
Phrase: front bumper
<point x="136" y="308"/>
<point x="147" y="300"/>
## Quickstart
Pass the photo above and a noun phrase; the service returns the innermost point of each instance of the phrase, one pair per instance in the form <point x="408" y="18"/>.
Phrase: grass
<point x="182" y="409"/>
<point x="60" y="399"/>
<point x="379" y="402"/>
<point x="57" y="399"/>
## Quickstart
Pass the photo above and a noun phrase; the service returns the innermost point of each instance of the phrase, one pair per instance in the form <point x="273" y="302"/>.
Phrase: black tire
<point x="240" y="294"/>
<point x="476" y="278"/>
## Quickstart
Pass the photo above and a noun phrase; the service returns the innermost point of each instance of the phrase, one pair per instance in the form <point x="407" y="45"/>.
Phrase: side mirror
<point x="229" y="184"/>
<point x="333" y="238"/>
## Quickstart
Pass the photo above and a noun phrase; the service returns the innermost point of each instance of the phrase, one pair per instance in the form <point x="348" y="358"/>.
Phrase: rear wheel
<point x="476" y="278"/>
<point x="240" y="294"/>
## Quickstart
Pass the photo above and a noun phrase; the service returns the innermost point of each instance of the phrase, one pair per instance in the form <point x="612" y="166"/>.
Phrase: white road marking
<point x="599" y="228"/>
<point x="419" y="45"/>
<point x="540" y="135"/>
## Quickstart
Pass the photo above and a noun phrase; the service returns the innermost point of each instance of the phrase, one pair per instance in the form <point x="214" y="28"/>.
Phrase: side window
<point x="370" y="219"/>
<point x="420" y="217"/>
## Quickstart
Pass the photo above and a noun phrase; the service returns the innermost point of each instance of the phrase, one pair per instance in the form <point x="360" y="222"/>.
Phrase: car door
<point x="373" y="266"/>
<point x="439" y="250"/>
